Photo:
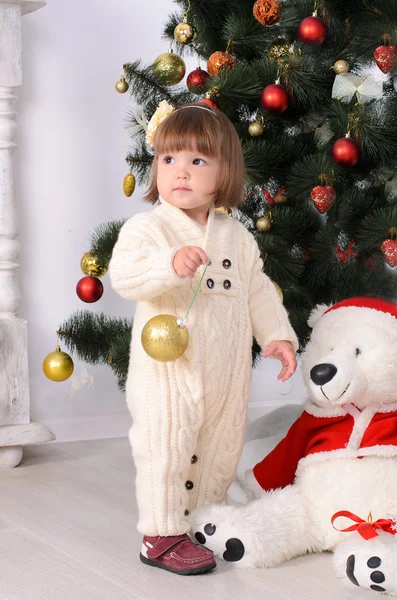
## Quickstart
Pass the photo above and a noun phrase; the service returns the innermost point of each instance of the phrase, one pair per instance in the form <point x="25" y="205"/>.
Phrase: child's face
<point x="188" y="180"/>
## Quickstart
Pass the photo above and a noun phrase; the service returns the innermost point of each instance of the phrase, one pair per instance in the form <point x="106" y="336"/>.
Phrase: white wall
<point x="70" y="168"/>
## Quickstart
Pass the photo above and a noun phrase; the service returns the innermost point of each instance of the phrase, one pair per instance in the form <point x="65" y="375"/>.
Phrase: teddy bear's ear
<point x="316" y="313"/>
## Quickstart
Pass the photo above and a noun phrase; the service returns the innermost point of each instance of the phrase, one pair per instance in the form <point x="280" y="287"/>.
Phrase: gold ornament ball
<point x="255" y="129"/>
<point x="122" y="85"/>
<point x="278" y="290"/>
<point x="58" y="366"/>
<point x="184" y="33"/>
<point x="280" y="49"/>
<point x="341" y="66"/>
<point x="169" y="68"/>
<point x="227" y="211"/>
<point x="263" y="224"/>
<point x="90" y="266"/>
<point x="163" y="339"/>
<point x="129" y="184"/>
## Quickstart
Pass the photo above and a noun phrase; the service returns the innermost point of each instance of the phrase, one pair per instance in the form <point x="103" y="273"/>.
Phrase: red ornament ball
<point x="386" y="58"/>
<point x="196" y="81"/>
<point x="345" y="152"/>
<point x="275" y="98"/>
<point x="323" y="197"/>
<point x="89" y="289"/>
<point x="267" y="12"/>
<point x="312" y="30"/>
<point x="209" y="102"/>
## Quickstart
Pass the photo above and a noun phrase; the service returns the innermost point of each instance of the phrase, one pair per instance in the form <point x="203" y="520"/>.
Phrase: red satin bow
<point x="367" y="529"/>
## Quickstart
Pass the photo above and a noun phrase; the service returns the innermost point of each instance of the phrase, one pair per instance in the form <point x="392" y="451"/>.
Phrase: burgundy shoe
<point x="177" y="554"/>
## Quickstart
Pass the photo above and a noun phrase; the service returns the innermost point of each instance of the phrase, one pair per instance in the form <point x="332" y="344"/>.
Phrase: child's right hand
<point x="188" y="259"/>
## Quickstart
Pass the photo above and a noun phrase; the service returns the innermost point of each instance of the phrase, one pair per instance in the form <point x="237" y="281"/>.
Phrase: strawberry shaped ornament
<point x="386" y="58"/>
<point x="389" y="249"/>
<point x="323" y="197"/>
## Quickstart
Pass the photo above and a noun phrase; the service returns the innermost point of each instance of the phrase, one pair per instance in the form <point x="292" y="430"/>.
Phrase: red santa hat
<point x="382" y="306"/>
<point x="362" y="302"/>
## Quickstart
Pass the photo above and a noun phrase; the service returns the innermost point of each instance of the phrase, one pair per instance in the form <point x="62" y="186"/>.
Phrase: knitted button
<point x="189" y="485"/>
<point x="227" y="285"/>
<point x="210" y="283"/>
<point x="194" y="459"/>
<point x="227" y="263"/>
<point x="186" y="513"/>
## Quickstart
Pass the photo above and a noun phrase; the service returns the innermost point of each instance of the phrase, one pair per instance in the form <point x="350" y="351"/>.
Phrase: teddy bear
<point x="337" y="462"/>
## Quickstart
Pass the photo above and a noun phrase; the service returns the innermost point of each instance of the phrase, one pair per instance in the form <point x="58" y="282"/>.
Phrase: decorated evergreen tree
<point x="314" y="102"/>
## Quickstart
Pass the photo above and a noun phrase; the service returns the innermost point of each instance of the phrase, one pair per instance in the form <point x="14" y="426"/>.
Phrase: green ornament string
<point x="181" y="321"/>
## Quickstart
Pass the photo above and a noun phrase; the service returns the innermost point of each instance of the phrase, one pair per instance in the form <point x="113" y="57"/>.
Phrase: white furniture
<point x="16" y="430"/>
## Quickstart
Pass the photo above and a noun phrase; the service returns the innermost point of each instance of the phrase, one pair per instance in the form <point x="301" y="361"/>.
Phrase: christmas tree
<point x="309" y="87"/>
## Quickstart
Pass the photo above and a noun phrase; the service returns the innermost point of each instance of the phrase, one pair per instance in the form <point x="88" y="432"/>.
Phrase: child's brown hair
<point x="198" y="127"/>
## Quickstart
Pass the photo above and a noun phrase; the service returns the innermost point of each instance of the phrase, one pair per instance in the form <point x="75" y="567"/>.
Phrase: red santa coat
<point x="310" y="435"/>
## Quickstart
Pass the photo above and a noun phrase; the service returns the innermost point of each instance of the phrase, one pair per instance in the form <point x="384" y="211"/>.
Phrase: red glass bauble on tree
<point x="196" y="81"/>
<point x="220" y="61"/>
<point x="267" y="12"/>
<point x="389" y="249"/>
<point x="275" y="98"/>
<point x="323" y="197"/>
<point x="345" y="152"/>
<point x="312" y="30"/>
<point x="209" y="102"/>
<point x="89" y="289"/>
<point x="386" y="58"/>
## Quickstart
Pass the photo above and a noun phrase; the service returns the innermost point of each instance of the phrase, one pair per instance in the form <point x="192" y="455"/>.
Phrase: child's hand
<point x="284" y="351"/>
<point x="188" y="259"/>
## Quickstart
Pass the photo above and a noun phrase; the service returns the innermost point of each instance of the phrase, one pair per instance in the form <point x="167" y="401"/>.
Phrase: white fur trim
<point x="321" y="411"/>
<point x="317" y="313"/>
<point x="339" y="411"/>
<point x="361" y="422"/>
<point x="381" y="451"/>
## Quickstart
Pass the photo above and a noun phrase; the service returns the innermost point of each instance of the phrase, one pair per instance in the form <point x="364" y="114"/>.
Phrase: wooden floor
<point x="67" y="532"/>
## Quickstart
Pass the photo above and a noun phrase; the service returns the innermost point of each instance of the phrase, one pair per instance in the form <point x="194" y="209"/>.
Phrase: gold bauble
<point x="184" y="33"/>
<point x="280" y="49"/>
<point x="255" y="129"/>
<point x="129" y="184"/>
<point x="227" y="211"/>
<point x="163" y="339"/>
<point x="122" y="86"/>
<point x="169" y="68"/>
<point x="263" y="224"/>
<point x="341" y="66"/>
<point x="90" y="266"/>
<point x="278" y="290"/>
<point x="58" y="366"/>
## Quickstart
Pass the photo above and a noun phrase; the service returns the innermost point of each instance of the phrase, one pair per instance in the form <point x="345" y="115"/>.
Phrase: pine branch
<point x="375" y="227"/>
<point x="144" y="84"/>
<point x="119" y="355"/>
<point x="305" y="174"/>
<point x="140" y="161"/>
<point x="103" y="240"/>
<point x="89" y="335"/>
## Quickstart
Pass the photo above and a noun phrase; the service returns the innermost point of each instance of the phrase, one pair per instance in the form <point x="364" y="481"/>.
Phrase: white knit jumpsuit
<point x="189" y="415"/>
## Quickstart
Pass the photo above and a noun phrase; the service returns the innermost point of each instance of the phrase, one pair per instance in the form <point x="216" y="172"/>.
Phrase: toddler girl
<point x="189" y="415"/>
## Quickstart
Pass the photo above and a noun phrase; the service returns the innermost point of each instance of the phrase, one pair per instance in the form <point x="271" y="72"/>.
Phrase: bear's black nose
<point x="322" y="374"/>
